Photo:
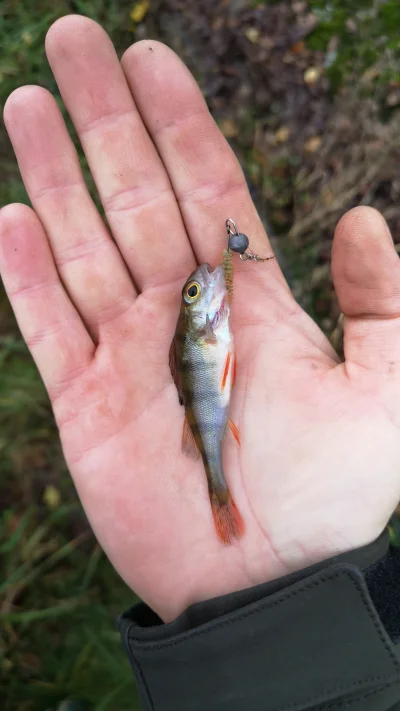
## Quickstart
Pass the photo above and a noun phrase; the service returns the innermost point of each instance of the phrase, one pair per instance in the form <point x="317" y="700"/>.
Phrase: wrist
<point x="320" y="546"/>
<point x="301" y="562"/>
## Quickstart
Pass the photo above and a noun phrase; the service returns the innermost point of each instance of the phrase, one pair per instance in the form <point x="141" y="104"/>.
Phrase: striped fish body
<point x="204" y="370"/>
<point x="206" y="377"/>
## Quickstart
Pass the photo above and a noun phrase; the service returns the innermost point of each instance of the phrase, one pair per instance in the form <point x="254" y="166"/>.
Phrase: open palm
<point x="318" y="468"/>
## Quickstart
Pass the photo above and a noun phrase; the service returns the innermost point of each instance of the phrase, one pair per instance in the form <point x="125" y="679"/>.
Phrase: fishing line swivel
<point x="239" y="242"/>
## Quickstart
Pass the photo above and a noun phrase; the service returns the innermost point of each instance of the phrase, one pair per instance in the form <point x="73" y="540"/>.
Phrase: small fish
<point x="203" y="365"/>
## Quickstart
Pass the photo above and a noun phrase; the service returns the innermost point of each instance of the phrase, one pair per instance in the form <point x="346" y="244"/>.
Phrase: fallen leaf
<point x="393" y="98"/>
<point x="252" y="34"/>
<point x="139" y="11"/>
<point x="27" y="38"/>
<point x="282" y="134"/>
<point x="51" y="497"/>
<point x="298" y="47"/>
<point x="313" y="144"/>
<point x="311" y="75"/>
<point x="229" y="128"/>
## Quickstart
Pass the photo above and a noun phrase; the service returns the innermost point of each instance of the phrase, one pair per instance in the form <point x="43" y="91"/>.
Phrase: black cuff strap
<point x="304" y="641"/>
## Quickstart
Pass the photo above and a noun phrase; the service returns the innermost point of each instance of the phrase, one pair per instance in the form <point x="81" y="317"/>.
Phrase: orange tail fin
<point x="228" y="521"/>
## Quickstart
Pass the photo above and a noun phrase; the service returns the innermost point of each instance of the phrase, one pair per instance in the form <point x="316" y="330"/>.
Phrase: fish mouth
<point x="211" y="271"/>
<point x="209" y="274"/>
<point x="211" y="277"/>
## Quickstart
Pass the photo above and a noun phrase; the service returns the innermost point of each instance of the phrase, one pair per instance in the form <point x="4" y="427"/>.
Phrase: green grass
<point x="59" y="595"/>
<point x="60" y="598"/>
<point x="365" y="30"/>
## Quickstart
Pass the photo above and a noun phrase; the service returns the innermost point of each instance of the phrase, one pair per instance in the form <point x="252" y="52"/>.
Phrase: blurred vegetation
<point x="363" y="35"/>
<point x="59" y="596"/>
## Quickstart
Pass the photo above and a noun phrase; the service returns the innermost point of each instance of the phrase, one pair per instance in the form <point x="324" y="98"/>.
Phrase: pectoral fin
<point x="234" y="431"/>
<point x="234" y="371"/>
<point x="226" y="372"/>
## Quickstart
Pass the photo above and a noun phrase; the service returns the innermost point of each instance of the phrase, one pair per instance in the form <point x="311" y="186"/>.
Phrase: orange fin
<point x="226" y="371"/>
<point x="234" y="371"/>
<point x="228" y="521"/>
<point x="234" y="431"/>
<point x="189" y="446"/>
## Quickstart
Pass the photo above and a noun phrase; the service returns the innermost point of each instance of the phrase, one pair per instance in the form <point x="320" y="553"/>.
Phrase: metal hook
<point x="246" y="254"/>
<point x="229" y="222"/>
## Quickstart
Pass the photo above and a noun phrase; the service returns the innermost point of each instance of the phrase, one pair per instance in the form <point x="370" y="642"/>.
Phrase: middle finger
<point x="133" y="185"/>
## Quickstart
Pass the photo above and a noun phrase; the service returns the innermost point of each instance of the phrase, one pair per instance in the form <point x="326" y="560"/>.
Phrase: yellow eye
<point x="192" y="292"/>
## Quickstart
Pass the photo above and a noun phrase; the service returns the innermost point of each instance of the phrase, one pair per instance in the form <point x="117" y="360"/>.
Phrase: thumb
<point x="366" y="275"/>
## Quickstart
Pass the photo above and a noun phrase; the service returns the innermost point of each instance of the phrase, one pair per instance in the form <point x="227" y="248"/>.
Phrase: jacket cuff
<point x="304" y="641"/>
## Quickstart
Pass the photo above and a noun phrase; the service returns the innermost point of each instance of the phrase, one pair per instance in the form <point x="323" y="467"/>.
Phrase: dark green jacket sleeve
<point x="322" y="638"/>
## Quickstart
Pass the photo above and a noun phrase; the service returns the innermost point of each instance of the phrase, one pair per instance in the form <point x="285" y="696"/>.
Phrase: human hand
<point x="318" y="468"/>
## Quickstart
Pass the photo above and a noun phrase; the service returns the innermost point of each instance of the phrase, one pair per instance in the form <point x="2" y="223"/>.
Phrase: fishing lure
<point x="237" y="242"/>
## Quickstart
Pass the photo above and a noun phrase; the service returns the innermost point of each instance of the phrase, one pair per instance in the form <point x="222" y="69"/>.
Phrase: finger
<point x="133" y="185"/>
<point x="204" y="172"/>
<point x="88" y="261"/>
<point x="49" y="323"/>
<point x="366" y="273"/>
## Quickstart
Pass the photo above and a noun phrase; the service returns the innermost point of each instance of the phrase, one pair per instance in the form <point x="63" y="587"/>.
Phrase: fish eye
<point x="192" y="292"/>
